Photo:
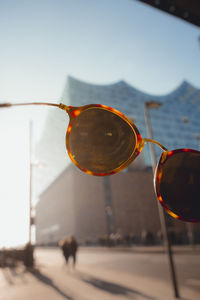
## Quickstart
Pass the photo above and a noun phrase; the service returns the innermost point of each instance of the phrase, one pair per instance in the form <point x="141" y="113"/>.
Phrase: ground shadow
<point x="7" y="275"/>
<point x="11" y="274"/>
<point x="110" y="287"/>
<point x="48" y="281"/>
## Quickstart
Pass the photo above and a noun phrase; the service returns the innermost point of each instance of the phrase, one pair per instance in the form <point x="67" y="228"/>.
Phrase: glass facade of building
<point x="175" y="124"/>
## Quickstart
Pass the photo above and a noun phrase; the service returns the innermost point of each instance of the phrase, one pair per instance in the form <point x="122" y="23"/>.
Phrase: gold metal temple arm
<point x="67" y="109"/>
<point x="155" y="142"/>
<point x="31" y="103"/>
<point x="61" y="106"/>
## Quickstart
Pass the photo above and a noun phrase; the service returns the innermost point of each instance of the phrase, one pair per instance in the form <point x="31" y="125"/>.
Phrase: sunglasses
<point x="102" y="141"/>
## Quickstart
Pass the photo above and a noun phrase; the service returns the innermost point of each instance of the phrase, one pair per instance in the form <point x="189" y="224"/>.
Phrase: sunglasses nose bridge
<point x="155" y="142"/>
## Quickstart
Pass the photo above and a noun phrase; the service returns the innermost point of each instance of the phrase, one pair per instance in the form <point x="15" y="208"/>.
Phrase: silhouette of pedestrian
<point x="64" y="244"/>
<point x="73" y="247"/>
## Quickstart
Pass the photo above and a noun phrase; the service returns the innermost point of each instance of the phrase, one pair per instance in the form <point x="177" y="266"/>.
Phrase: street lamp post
<point x="190" y="226"/>
<point x="30" y="184"/>
<point x="165" y="235"/>
<point x="110" y="220"/>
<point x="28" y="250"/>
<point x="32" y="164"/>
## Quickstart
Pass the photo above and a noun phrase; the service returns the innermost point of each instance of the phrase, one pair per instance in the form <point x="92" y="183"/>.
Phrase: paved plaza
<point x="51" y="279"/>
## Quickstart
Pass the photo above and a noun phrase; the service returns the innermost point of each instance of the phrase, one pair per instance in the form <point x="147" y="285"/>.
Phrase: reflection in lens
<point x="101" y="141"/>
<point x="180" y="185"/>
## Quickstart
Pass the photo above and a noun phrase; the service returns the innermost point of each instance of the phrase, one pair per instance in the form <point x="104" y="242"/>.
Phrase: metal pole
<point x="190" y="232"/>
<point x="167" y="244"/>
<point x="30" y="184"/>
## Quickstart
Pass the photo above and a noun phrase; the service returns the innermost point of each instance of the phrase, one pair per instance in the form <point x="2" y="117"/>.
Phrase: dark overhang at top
<point x="188" y="10"/>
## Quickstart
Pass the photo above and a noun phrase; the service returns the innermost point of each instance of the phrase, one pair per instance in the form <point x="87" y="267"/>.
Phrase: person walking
<point x="73" y="247"/>
<point x="64" y="244"/>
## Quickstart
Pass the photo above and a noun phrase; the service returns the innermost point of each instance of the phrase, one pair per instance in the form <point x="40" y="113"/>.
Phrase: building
<point x="91" y="207"/>
<point x="175" y="124"/>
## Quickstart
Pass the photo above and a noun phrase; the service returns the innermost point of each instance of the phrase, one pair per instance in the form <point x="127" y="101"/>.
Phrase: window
<point x="197" y="136"/>
<point x="132" y="118"/>
<point x="185" y="119"/>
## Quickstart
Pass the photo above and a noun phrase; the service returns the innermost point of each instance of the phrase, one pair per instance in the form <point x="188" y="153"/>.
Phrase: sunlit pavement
<point x="92" y="279"/>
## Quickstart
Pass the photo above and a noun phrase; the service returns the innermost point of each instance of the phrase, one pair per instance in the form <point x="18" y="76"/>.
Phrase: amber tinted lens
<point x="101" y="141"/>
<point x="180" y="185"/>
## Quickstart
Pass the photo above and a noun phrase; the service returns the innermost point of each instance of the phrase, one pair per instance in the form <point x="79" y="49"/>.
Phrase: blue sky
<point x="43" y="41"/>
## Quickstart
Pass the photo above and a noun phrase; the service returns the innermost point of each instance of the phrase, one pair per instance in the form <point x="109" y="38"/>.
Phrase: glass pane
<point x="101" y="141"/>
<point x="180" y="184"/>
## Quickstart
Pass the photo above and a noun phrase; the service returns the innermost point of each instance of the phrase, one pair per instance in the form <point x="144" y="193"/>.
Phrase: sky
<point x="101" y="42"/>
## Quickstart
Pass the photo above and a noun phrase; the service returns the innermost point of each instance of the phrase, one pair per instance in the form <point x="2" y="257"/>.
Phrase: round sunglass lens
<point x="180" y="185"/>
<point x="101" y="141"/>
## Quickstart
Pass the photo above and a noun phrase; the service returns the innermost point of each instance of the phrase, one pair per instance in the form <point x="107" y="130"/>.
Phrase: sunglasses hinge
<point x="64" y="107"/>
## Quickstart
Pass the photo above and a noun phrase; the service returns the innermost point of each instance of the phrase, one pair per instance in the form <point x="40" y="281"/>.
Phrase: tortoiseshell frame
<point x="74" y="112"/>
<point x="157" y="180"/>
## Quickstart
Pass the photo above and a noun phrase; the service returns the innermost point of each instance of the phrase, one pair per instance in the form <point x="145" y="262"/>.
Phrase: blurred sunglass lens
<point x="180" y="185"/>
<point x="101" y="141"/>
